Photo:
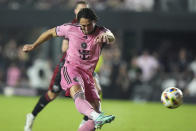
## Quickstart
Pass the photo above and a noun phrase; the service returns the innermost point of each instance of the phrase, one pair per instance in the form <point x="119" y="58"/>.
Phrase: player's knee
<point x="52" y="95"/>
<point x="79" y="95"/>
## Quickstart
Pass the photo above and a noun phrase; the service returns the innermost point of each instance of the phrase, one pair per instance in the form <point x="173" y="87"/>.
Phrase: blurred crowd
<point x="19" y="69"/>
<point x="142" y="77"/>
<point x="132" y="5"/>
<point x="148" y="73"/>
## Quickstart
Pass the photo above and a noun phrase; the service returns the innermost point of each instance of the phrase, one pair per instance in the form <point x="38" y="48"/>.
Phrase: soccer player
<point x="54" y="87"/>
<point x="85" y="42"/>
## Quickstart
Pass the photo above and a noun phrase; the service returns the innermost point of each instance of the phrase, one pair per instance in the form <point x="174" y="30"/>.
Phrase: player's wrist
<point x="35" y="45"/>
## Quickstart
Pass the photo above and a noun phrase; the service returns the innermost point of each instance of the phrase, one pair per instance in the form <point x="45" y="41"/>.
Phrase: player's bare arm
<point x="65" y="45"/>
<point x="41" y="39"/>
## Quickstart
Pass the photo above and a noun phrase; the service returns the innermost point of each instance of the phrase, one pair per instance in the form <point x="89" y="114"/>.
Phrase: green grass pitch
<point x="61" y="115"/>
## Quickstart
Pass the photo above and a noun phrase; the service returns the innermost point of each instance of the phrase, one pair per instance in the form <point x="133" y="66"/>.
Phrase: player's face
<point x="79" y="7"/>
<point x="87" y="26"/>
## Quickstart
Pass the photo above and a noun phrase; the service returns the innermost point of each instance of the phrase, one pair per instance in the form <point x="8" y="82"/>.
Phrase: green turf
<point x="61" y="115"/>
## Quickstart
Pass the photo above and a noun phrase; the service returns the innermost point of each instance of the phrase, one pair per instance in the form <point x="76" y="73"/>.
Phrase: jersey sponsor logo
<point x="84" y="54"/>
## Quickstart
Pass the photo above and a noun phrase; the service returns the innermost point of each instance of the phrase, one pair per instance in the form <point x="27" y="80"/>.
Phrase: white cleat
<point x="29" y="122"/>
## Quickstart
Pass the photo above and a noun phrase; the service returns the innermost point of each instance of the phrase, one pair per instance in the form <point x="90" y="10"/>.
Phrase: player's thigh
<point x="55" y="86"/>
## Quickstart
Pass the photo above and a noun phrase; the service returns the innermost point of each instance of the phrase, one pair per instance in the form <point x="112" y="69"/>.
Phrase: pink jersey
<point x="83" y="51"/>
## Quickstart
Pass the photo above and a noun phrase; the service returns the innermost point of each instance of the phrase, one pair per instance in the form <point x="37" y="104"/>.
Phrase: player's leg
<point x="43" y="101"/>
<point x="88" y="124"/>
<point x="99" y="90"/>
<point x="97" y="84"/>
<point x="96" y="106"/>
<point x="85" y="108"/>
<point x="51" y="94"/>
<point x="74" y="81"/>
<point x="94" y="100"/>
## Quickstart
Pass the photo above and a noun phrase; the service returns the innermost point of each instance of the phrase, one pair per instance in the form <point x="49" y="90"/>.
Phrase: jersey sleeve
<point x="63" y="30"/>
<point x="104" y="30"/>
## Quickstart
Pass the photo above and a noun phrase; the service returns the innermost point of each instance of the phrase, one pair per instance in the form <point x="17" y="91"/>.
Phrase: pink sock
<point x="83" y="106"/>
<point x="88" y="126"/>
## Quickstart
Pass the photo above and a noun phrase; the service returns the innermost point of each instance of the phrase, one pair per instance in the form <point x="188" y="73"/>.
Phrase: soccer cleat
<point x="29" y="122"/>
<point x="102" y="119"/>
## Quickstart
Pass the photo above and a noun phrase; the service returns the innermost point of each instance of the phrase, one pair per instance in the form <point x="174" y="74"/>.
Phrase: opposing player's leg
<point x="51" y="94"/>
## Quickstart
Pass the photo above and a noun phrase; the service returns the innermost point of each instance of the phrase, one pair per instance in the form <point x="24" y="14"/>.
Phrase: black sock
<point x="85" y="118"/>
<point x="43" y="101"/>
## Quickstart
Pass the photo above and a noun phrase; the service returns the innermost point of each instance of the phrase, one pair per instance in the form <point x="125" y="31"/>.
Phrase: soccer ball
<point x="172" y="97"/>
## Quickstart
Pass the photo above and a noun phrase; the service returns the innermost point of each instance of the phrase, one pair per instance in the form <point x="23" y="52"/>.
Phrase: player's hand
<point x="102" y="38"/>
<point x="28" y="47"/>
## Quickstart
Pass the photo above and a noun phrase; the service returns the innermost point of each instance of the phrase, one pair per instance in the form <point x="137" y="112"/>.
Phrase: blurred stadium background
<point x="155" y="48"/>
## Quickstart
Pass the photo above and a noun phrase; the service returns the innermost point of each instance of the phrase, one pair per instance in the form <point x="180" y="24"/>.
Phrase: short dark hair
<point x="81" y="2"/>
<point x="86" y="13"/>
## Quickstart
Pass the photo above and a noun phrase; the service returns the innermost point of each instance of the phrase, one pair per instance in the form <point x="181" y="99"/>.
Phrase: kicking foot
<point x="102" y="119"/>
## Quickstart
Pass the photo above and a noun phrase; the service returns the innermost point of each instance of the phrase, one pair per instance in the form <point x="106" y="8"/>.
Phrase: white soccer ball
<point x="172" y="97"/>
